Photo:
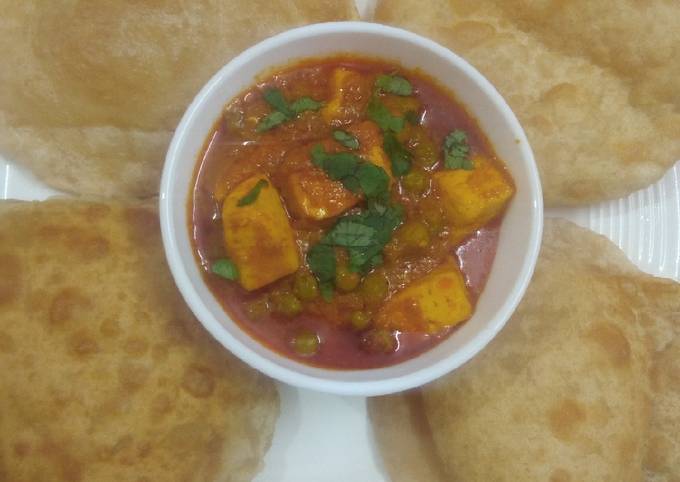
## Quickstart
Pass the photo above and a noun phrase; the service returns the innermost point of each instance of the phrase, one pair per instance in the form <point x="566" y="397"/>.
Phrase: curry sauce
<point x="346" y="212"/>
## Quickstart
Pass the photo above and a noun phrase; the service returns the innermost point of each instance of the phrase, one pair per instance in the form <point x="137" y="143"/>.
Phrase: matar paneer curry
<point x="346" y="212"/>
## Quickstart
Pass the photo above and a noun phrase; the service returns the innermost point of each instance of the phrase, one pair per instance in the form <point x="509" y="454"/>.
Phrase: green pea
<point x="424" y="151"/>
<point x="414" y="236"/>
<point x="374" y="288"/>
<point x="379" y="340"/>
<point x="360" y="320"/>
<point x="305" y="286"/>
<point x="346" y="280"/>
<point x="286" y="303"/>
<point x="306" y="343"/>
<point x="416" y="181"/>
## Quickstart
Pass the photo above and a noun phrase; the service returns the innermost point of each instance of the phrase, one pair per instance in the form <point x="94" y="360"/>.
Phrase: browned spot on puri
<point x="627" y="448"/>
<point x="10" y="281"/>
<point x="565" y="417"/>
<point x="161" y="406"/>
<point x="560" y="475"/>
<point x="22" y="449"/>
<point x="198" y="381"/>
<point x="132" y="376"/>
<point x="68" y="467"/>
<point x="90" y="247"/>
<point x="83" y="344"/>
<point x="613" y="342"/>
<point x="110" y="328"/>
<point x="68" y="305"/>
<point x="143" y="223"/>
<point x="135" y="346"/>
<point x="7" y="344"/>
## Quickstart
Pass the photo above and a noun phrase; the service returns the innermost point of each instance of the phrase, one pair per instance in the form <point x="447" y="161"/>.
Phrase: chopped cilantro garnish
<point x="373" y="180"/>
<point x="457" y="151"/>
<point x="322" y="262"/>
<point x="337" y="165"/>
<point x="355" y="174"/>
<point x="275" y="98"/>
<point x="346" y="139"/>
<point x="282" y="110"/>
<point x="394" y="84"/>
<point x="251" y="196"/>
<point x="326" y="289"/>
<point x="400" y="157"/>
<point x="380" y="114"/>
<point x="351" y="234"/>
<point x="364" y="235"/>
<point x="304" y="104"/>
<point x="225" y="268"/>
<point x="271" y="120"/>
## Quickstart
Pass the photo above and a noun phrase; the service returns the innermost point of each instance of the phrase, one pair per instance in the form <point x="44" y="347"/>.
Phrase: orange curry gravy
<point x="235" y="151"/>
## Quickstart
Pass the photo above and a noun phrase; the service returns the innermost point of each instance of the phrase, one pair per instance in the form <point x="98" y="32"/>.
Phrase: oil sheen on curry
<point x="346" y="211"/>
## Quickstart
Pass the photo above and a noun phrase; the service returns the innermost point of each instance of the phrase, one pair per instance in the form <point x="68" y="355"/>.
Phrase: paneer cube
<point x="472" y="198"/>
<point x="312" y="194"/>
<point x="350" y="92"/>
<point x="370" y="145"/>
<point x="438" y="300"/>
<point x="307" y="191"/>
<point x="258" y="236"/>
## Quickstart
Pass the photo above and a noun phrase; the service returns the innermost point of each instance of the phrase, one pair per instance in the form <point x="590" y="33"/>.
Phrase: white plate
<point x="327" y="438"/>
<point x="333" y="431"/>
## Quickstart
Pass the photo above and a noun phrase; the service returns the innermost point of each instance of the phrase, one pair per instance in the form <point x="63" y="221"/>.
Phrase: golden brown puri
<point x="105" y="375"/>
<point x="403" y="436"/>
<point x="662" y="461"/>
<point x="91" y="90"/>
<point x="595" y="87"/>
<point x="562" y="393"/>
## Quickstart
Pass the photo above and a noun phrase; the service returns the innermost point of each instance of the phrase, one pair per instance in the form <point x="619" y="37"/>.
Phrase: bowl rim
<point x="344" y="387"/>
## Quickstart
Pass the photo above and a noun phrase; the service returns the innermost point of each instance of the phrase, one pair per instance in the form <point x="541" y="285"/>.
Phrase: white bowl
<point x="520" y="233"/>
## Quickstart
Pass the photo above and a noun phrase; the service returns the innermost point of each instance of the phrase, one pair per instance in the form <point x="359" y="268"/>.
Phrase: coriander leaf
<point x="373" y="179"/>
<point x="376" y="206"/>
<point x="346" y="139"/>
<point x="321" y="260"/>
<point x="326" y="289"/>
<point x="337" y="165"/>
<point x="400" y="157"/>
<point x="252" y="195"/>
<point x="355" y="174"/>
<point x="394" y="84"/>
<point x="360" y="258"/>
<point x="350" y="234"/>
<point x="274" y="97"/>
<point x="225" y="268"/>
<point x="375" y="261"/>
<point x="283" y="111"/>
<point x="457" y="151"/>
<point x="304" y="104"/>
<point x="340" y="165"/>
<point x="271" y="120"/>
<point x="318" y="155"/>
<point x="380" y="114"/>
<point x="352" y="183"/>
<point x="365" y="234"/>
